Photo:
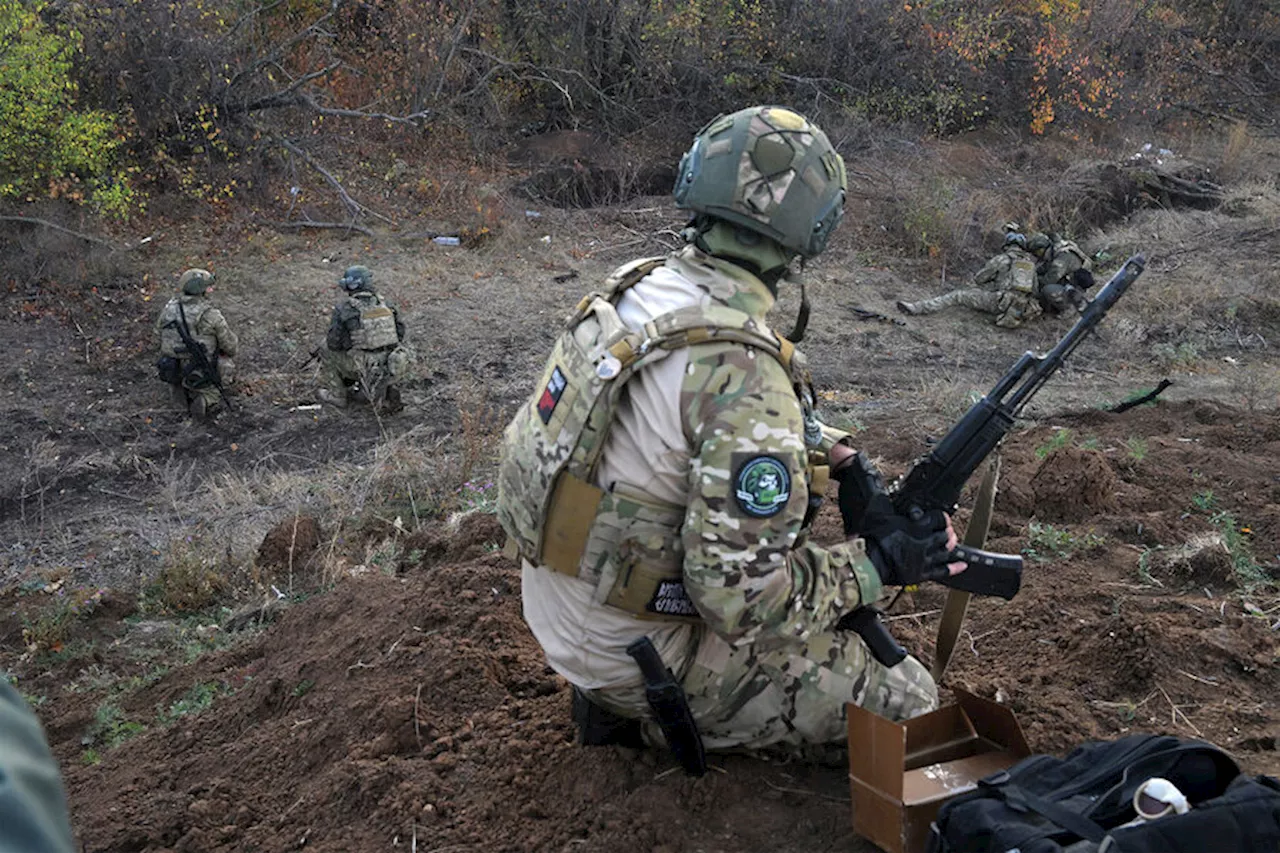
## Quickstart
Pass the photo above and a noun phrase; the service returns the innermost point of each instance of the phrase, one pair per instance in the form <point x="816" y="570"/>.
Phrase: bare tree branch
<point x="289" y="96"/>
<point x="273" y="58"/>
<point x="33" y="220"/>
<point x="453" y="48"/>
<point x="411" y="119"/>
<point x="354" y="207"/>
<point x="299" y="224"/>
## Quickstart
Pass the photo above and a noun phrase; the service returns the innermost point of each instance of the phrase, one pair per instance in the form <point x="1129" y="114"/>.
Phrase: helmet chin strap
<point x="802" y="316"/>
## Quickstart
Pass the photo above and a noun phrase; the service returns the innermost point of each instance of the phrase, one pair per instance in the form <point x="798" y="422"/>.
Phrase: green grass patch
<point x="199" y="698"/>
<point x="110" y="727"/>
<point x="1061" y="438"/>
<point x="1181" y="356"/>
<point x="1048" y="542"/>
<point x="1205" y="501"/>
<point x="1136" y="448"/>
<point x="1235" y="537"/>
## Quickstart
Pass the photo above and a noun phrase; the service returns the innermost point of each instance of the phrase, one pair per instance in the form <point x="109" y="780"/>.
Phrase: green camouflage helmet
<point x="356" y="278"/>
<point x="769" y="170"/>
<point x="1039" y="244"/>
<point x="195" y="281"/>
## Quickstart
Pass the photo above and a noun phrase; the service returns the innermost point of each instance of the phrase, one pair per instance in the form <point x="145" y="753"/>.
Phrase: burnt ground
<point x="274" y="633"/>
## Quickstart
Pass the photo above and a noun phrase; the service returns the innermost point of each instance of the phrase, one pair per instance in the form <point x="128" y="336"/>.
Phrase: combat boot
<point x="391" y="402"/>
<point x="178" y="396"/>
<point x="327" y="396"/>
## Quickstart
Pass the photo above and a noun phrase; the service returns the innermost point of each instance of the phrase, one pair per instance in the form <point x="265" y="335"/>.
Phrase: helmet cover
<point x="769" y="170"/>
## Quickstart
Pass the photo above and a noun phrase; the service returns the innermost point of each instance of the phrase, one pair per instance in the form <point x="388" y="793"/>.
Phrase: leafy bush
<point x="49" y="144"/>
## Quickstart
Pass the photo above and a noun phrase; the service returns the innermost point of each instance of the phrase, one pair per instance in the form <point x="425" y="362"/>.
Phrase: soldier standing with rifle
<point x="196" y="347"/>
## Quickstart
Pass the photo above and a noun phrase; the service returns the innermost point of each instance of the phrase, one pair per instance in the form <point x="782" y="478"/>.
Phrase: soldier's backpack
<point x="1084" y="803"/>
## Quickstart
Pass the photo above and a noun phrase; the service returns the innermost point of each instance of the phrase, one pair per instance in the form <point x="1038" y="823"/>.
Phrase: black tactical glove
<point x="905" y="552"/>
<point x="859" y="481"/>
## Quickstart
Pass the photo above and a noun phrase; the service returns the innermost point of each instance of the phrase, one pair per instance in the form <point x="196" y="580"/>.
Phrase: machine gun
<point x="936" y="480"/>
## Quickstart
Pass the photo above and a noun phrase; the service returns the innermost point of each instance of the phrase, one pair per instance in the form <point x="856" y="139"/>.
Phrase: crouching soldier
<point x="1063" y="273"/>
<point x="365" y="354"/>
<point x="196" y="347"/>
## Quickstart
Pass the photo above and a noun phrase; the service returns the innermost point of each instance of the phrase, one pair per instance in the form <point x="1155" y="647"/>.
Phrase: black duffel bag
<point x="1083" y="802"/>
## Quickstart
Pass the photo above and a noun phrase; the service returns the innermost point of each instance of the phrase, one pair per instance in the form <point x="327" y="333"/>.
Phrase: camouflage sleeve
<point x="400" y="329"/>
<point x="1061" y="267"/>
<point x="339" y="336"/>
<point x="832" y="436"/>
<point x="991" y="270"/>
<point x="228" y="342"/>
<point x="747" y="568"/>
<point x="33" y="805"/>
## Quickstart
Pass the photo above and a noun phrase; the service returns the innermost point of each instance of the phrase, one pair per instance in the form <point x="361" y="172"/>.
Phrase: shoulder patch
<point x="550" y="396"/>
<point x="762" y="486"/>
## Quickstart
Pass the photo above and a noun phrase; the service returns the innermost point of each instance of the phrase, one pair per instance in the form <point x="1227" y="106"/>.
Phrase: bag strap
<point x="1020" y="799"/>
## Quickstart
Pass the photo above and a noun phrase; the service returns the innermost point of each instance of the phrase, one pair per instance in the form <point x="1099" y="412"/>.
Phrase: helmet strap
<point x="802" y="316"/>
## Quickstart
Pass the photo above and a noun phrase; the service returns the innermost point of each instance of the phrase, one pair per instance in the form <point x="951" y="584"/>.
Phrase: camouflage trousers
<point x="1011" y="308"/>
<point x="212" y="397"/>
<point x="371" y="372"/>
<point x="789" y="697"/>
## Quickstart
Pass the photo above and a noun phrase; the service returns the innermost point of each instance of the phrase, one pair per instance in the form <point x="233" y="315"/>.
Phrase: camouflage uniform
<point x="1054" y="275"/>
<point x="354" y="357"/>
<point x="1005" y="287"/>
<point x="33" y="804"/>
<point x="211" y="330"/>
<point x="717" y="434"/>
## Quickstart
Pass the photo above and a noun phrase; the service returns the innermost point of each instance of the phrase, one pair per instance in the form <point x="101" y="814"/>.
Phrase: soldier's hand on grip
<point x="903" y="551"/>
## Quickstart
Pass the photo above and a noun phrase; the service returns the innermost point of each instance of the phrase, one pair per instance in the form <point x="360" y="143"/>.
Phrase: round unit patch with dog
<point x="762" y="487"/>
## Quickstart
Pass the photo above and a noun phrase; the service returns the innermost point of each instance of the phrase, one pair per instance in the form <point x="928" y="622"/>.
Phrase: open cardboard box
<point x="901" y="773"/>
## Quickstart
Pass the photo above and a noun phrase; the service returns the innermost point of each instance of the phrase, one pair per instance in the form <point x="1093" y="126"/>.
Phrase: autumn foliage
<point x="207" y="97"/>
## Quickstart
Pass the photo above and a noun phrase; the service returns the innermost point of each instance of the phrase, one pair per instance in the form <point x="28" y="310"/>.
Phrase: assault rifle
<point x="935" y="481"/>
<point x="207" y="366"/>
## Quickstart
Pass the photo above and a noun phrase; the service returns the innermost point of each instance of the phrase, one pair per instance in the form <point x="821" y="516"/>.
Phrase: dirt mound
<point x="412" y="708"/>
<point x="288" y="546"/>
<point x="1203" y="561"/>
<point x="1094" y="193"/>
<point x="1073" y="484"/>
<point x="395" y="709"/>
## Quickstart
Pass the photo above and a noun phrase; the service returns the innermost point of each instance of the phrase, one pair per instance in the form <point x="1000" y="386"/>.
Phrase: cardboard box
<point x="901" y="773"/>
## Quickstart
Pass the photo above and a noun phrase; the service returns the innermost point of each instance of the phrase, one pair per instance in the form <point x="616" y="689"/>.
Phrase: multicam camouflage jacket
<point x="206" y="323"/>
<point x="702" y="490"/>
<point x="1012" y="269"/>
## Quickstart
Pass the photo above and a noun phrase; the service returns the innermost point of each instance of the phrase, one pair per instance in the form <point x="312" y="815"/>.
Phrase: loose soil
<point x="402" y="703"/>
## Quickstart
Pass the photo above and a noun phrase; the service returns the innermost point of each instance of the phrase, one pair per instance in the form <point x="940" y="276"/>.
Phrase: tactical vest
<point x="629" y="546"/>
<point x="377" y="328"/>
<point x="171" y="341"/>
<point x="1022" y="273"/>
